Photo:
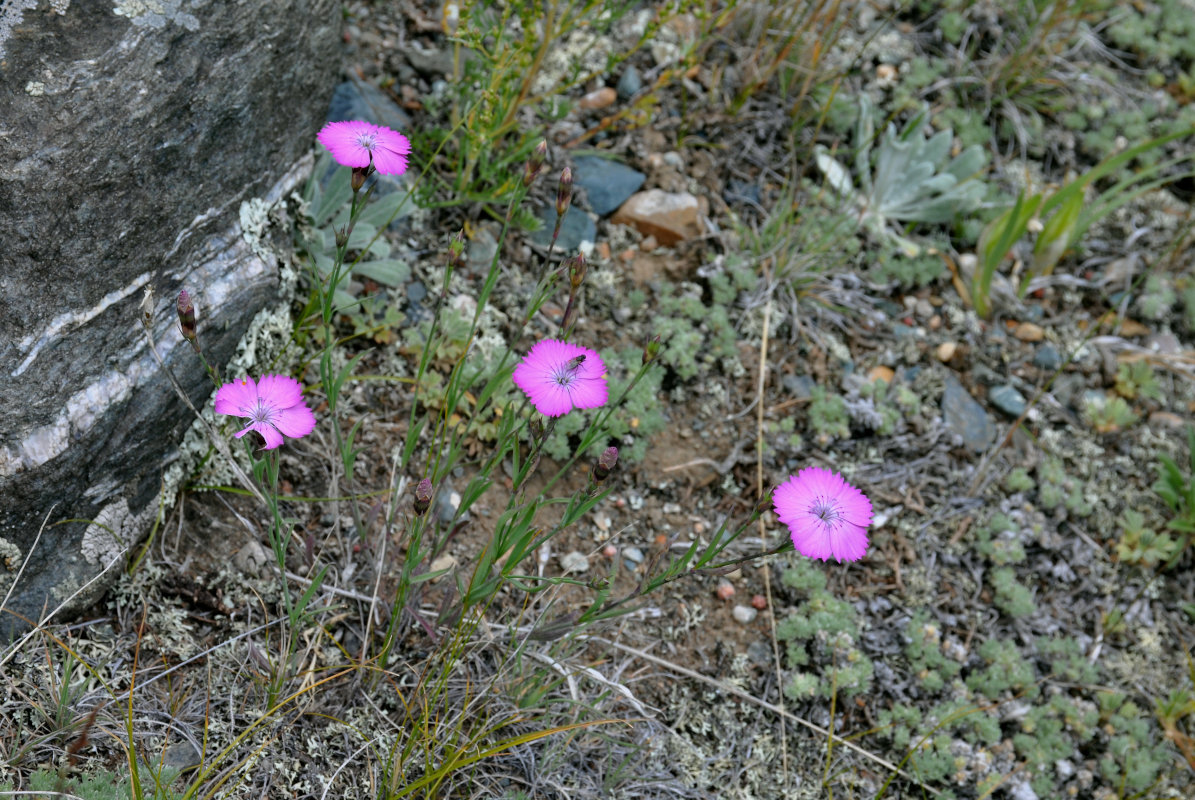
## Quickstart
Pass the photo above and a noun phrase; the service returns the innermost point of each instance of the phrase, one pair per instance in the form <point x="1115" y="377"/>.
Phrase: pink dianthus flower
<point x="353" y="142"/>
<point x="274" y="405"/>
<point x="560" y="376"/>
<point x="825" y="515"/>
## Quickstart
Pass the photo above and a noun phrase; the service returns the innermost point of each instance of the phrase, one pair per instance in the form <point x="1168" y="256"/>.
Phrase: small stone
<point x="1007" y="399"/>
<point x="441" y="564"/>
<point x="648" y="244"/>
<point x="1164" y="342"/>
<point x="607" y="183"/>
<point x="1047" y="357"/>
<point x="630" y="83"/>
<point x="670" y="217"/>
<point x="576" y="229"/>
<point x="880" y="373"/>
<point x="602" y="251"/>
<point x="574" y="561"/>
<point x="759" y="602"/>
<point x="935" y="322"/>
<point x="725" y="590"/>
<point x="1028" y="332"/>
<point x="800" y="385"/>
<point x="633" y="554"/>
<point x="602" y="521"/>
<point x="181" y="756"/>
<point x="966" y="417"/>
<point x="482" y="247"/>
<point x="945" y="351"/>
<point x="1165" y="419"/>
<point x="923" y="308"/>
<point x="744" y="615"/>
<point x="601" y="98"/>
<point x="252" y="558"/>
<point x="759" y="653"/>
<point x="609" y="551"/>
<point x="447" y="502"/>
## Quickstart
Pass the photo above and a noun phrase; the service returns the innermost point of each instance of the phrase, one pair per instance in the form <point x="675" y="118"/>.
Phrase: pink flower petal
<point x="343" y="141"/>
<point x="280" y="391"/>
<point x="269" y="433"/>
<point x="295" y="422"/>
<point x="236" y="398"/>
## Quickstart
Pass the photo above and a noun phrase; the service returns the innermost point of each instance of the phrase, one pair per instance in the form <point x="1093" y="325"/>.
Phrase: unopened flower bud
<point x="342" y="238"/>
<point x="605" y="464"/>
<point x="456" y="250"/>
<point x="537" y="429"/>
<point x="651" y="349"/>
<point x="576" y="270"/>
<point x="358" y="178"/>
<point x="564" y="192"/>
<point x="186" y="318"/>
<point x="423" y="496"/>
<point x="535" y="163"/>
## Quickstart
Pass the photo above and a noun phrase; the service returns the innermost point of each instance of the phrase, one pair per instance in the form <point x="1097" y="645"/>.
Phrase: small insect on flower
<point x="354" y="143"/>
<point x="826" y="516"/>
<point x="273" y="405"/>
<point x="560" y="376"/>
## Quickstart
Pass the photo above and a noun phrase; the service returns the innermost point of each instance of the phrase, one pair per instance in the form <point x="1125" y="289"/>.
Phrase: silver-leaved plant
<point x="913" y="179"/>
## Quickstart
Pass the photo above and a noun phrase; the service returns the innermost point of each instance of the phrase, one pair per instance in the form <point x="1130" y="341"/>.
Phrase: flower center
<point x="564" y="377"/>
<point x="566" y="374"/>
<point x="262" y="413"/>
<point x="367" y="140"/>
<point x="827" y="511"/>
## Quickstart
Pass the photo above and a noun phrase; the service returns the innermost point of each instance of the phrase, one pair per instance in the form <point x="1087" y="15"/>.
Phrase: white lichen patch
<point x="106" y="539"/>
<point x="157" y="13"/>
<point x="10" y="563"/>
<point x="12" y="13"/>
<point x="582" y="50"/>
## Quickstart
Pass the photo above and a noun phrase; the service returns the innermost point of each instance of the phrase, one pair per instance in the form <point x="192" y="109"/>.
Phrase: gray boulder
<point x="142" y="145"/>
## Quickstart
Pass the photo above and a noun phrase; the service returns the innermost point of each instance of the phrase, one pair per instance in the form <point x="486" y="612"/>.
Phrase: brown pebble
<point x="935" y="322"/>
<point x="725" y="590"/>
<point x="648" y="244"/>
<point x="945" y="351"/>
<point x="600" y="99"/>
<point x="1028" y="332"/>
<point x="602" y="249"/>
<point x="880" y="373"/>
<point x="759" y="602"/>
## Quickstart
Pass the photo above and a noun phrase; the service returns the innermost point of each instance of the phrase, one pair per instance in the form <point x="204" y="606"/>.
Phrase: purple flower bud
<point x="564" y="192"/>
<point x="576" y="270"/>
<point x="535" y="162"/>
<point x="423" y="496"/>
<point x="186" y="318"/>
<point x="358" y="178"/>
<point x="605" y="464"/>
